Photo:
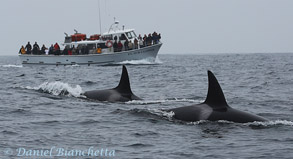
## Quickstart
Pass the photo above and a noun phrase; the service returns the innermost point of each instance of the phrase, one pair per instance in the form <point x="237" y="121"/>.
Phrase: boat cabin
<point x="121" y="35"/>
<point x="104" y="41"/>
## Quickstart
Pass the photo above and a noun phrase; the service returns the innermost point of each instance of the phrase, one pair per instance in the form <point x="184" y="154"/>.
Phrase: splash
<point x="256" y="124"/>
<point x="143" y="102"/>
<point x="271" y="123"/>
<point x="146" y="102"/>
<point x="156" y="112"/>
<point x="162" y="113"/>
<point x="185" y="100"/>
<point x="158" y="61"/>
<point x="59" y="88"/>
<point x="197" y="122"/>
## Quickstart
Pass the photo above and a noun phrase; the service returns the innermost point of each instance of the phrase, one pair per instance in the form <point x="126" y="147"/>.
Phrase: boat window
<point x="131" y="35"/>
<point x="102" y="45"/>
<point x="91" y="46"/>
<point x="80" y="46"/>
<point x="107" y="37"/>
<point x="122" y="37"/>
<point x="128" y="34"/>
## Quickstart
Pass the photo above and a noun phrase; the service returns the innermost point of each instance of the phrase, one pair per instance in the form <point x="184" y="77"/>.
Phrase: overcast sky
<point x="187" y="26"/>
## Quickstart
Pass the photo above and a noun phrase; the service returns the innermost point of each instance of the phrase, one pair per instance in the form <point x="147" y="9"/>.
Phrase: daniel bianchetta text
<point x="65" y="152"/>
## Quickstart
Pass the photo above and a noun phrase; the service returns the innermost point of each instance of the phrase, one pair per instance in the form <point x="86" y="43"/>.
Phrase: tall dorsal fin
<point x="215" y="97"/>
<point x="124" y="84"/>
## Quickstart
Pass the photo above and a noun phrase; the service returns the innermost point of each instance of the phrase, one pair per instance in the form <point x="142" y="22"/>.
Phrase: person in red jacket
<point x="120" y="46"/>
<point x="57" y="49"/>
<point x="69" y="51"/>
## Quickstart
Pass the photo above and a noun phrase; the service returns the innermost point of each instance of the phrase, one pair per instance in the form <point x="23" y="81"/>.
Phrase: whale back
<point x="121" y="93"/>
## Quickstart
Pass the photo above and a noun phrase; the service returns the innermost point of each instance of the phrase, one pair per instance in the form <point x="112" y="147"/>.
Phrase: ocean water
<point x="42" y="111"/>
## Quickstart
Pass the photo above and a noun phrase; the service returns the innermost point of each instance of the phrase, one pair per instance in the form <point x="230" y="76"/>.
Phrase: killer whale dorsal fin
<point x="215" y="98"/>
<point x="124" y="84"/>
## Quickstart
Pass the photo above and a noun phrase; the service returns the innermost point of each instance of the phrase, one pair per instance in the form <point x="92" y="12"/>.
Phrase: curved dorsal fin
<point x="124" y="84"/>
<point x="215" y="97"/>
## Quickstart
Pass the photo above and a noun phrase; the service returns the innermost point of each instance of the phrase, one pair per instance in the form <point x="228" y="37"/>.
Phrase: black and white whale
<point x="122" y="93"/>
<point x="214" y="108"/>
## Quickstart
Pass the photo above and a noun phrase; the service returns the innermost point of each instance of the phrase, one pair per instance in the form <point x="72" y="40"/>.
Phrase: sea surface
<point x="42" y="109"/>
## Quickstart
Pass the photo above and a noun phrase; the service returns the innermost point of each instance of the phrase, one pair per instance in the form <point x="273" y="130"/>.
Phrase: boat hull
<point x="149" y="53"/>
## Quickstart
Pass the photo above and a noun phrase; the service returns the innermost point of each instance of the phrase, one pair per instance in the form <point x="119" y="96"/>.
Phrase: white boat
<point x="100" y="49"/>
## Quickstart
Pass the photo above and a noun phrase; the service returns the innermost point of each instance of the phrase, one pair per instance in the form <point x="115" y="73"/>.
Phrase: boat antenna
<point x="100" y="19"/>
<point x="111" y="27"/>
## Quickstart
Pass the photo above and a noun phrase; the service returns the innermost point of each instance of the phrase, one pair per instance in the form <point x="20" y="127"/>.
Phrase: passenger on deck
<point x="126" y="45"/>
<point x="51" y="50"/>
<point x="115" y="46"/>
<point x="36" y="48"/>
<point x="120" y="46"/>
<point x="43" y="49"/>
<point x="56" y="49"/>
<point x="135" y="43"/>
<point x="73" y="49"/>
<point x="155" y="38"/>
<point x="149" y="40"/>
<point x="130" y="45"/>
<point x="139" y="37"/>
<point x="144" y="40"/>
<point x="69" y="51"/>
<point x="159" y="37"/>
<point x="86" y="49"/>
<point x="77" y="50"/>
<point x="22" y="50"/>
<point x="140" y="41"/>
<point x="99" y="49"/>
<point x="28" y="48"/>
<point x="82" y="50"/>
<point x="65" y="51"/>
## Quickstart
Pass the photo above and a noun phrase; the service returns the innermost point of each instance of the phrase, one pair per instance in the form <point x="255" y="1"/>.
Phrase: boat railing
<point x="93" y="51"/>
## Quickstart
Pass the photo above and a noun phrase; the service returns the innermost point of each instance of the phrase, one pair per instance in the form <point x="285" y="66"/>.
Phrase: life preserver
<point x="109" y="43"/>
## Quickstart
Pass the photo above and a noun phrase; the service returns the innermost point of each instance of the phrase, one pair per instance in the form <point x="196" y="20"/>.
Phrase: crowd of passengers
<point x="53" y="50"/>
<point x="137" y="43"/>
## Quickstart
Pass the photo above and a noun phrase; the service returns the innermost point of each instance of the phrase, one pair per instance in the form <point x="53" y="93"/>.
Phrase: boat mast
<point x="100" y="18"/>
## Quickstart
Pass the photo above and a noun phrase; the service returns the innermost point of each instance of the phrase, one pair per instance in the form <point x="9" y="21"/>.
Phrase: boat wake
<point x="15" y="66"/>
<point x="141" y="62"/>
<point x="58" y="88"/>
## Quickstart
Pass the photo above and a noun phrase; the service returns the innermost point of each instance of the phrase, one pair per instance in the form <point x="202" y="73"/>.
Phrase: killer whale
<point x="214" y="108"/>
<point x="121" y="93"/>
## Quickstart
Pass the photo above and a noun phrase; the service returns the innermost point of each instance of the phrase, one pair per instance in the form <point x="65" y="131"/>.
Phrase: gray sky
<point x="187" y="26"/>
